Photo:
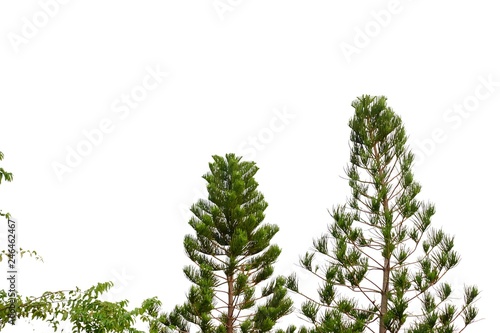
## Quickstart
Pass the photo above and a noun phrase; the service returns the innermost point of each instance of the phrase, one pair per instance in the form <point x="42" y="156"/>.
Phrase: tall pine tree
<point x="383" y="264"/>
<point x="232" y="254"/>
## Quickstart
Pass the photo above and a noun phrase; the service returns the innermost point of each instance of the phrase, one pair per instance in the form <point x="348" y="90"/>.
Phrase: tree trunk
<point x="384" y="299"/>
<point x="230" y="305"/>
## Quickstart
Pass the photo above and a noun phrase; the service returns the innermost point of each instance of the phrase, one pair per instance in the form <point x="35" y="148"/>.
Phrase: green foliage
<point x="232" y="253"/>
<point x="8" y="177"/>
<point x="82" y="308"/>
<point x="380" y="264"/>
<point x="22" y="252"/>
<point x="380" y="249"/>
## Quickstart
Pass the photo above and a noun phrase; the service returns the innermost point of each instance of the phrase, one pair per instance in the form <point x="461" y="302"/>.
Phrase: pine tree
<point x="232" y="255"/>
<point x="383" y="264"/>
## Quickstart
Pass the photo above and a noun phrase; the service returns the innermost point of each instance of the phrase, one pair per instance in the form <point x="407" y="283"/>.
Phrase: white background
<point x="120" y="212"/>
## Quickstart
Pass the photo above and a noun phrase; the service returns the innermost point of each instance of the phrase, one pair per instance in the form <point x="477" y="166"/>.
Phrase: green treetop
<point x="383" y="264"/>
<point x="232" y="254"/>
